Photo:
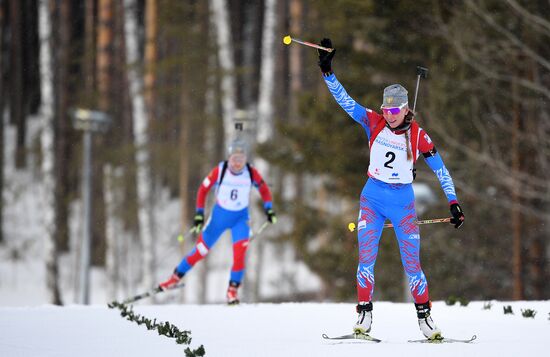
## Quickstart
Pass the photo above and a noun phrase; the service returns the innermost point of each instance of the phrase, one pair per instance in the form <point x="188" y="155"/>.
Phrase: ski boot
<point x="172" y="281"/>
<point x="364" y="320"/>
<point x="427" y="325"/>
<point x="232" y="297"/>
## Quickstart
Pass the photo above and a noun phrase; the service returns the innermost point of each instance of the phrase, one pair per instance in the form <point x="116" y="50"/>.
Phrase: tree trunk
<point x="295" y="53"/>
<point x="104" y="67"/>
<point x="226" y="62"/>
<point x="296" y="80"/>
<point x="251" y="55"/>
<point x="264" y="127"/>
<point x="517" y="246"/>
<point x="141" y="139"/>
<point x="89" y="51"/>
<point x="538" y="267"/>
<point x="114" y="233"/>
<point x="31" y="70"/>
<point x="104" y="52"/>
<point x="124" y="68"/>
<point x="17" y="115"/>
<point x="151" y="15"/>
<point x="48" y="159"/>
<point x="184" y="162"/>
<point x="60" y="51"/>
<point x="211" y="143"/>
<point x="2" y="70"/>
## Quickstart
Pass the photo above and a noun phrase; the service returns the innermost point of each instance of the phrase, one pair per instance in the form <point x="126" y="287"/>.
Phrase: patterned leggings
<point x="381" y="201"/>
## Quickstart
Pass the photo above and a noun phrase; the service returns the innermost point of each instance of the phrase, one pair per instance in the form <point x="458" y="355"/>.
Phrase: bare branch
<point x="509" y="35"/>
<point x="531" y="19"/>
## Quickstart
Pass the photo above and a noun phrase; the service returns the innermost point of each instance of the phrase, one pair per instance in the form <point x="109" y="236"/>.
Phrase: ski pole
<point x="287" y="40"/>
<point x="262" y="227"/>
<point x="351" y="225"/>
<point x="181" y="238"/>
<point x="421" y="72"/>
<point x="150" y="293"/>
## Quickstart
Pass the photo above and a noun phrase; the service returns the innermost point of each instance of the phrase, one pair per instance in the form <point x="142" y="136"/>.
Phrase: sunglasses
<point x="394" y="110"/>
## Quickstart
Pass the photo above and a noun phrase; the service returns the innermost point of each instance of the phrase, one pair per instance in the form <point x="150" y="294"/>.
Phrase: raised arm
<point x="354" y="109"/>
<point x="364" y="116"/>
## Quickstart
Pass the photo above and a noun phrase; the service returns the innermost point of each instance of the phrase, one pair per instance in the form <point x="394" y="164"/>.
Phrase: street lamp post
<point x="89" y="121"/>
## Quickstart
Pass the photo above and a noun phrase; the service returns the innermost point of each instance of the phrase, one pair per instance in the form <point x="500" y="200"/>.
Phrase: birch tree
<point x="144" y="179"/>
<point x="2" y="21"/>
<point x="220" y="21"/>
<point x="264" y="127"/>
<point x="46" y="142"/>
<point x="17" y="115"/>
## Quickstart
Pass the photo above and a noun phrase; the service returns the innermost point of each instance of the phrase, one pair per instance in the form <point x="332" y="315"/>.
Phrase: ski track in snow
<point x="289" y="329"/>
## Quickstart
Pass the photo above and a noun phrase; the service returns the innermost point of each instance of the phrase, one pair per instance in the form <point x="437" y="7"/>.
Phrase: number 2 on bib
<point x="391" y="155"/>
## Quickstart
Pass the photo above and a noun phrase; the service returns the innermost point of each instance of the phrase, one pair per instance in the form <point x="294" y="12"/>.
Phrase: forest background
<point x="175" y="76"/>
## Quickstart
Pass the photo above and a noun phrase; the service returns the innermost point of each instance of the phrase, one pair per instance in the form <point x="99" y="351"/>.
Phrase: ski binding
<point x="354" y="336"/>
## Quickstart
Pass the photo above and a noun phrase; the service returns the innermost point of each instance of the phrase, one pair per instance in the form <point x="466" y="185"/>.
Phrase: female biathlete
<point x="395" y="142"/>
<point x="233" y="180"/>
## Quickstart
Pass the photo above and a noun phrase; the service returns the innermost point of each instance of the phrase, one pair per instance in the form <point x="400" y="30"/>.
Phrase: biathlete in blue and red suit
<point x="395" y="141"/>
<point x="233" y="180"/>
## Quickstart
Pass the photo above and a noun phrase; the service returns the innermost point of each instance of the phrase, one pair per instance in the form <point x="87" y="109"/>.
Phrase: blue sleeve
<point x="435" y="163"/>
<point x="355" y="110"/>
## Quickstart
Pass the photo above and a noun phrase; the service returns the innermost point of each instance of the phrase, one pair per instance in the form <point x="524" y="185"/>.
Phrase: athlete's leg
<point x="216" y="225"/>
<point x="240" y="234"/>
<point x="403" y="216"/>
<point x="369" y="230"/>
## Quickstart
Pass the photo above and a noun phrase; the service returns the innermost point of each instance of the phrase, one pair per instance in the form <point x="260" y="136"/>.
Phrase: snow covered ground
<point x="292" y="329"/>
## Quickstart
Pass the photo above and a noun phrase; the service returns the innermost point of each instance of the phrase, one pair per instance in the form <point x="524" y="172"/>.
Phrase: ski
<point x="444" y="340"/>
<point x="353" y="336"/>
<point x="149" y="293"/>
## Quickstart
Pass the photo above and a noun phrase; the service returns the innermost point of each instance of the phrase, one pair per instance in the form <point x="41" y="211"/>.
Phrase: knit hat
<point x="395" y="95"/>
<point x="237" y="146"/>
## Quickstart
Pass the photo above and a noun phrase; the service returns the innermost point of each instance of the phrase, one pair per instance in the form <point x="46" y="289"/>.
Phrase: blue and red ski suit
<point x="388" y="193"/>
<point x="229" y="212"/>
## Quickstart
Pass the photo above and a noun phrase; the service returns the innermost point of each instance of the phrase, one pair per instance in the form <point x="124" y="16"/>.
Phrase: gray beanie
<point x="237" y="146"/>
<point x="394" y="96"/>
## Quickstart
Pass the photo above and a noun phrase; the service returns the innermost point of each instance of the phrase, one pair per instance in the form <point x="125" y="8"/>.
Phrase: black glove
<point x="198" y="221"/>
<point x="325" y="57"/>
<point x="458" y="215"/>
<point x="271" y="216"/>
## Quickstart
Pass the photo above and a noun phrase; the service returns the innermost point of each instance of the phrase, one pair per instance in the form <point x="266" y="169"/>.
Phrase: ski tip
<point x="325" y="336"/>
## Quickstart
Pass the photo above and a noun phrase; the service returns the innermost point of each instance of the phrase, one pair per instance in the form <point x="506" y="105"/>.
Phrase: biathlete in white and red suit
<point x="395" y="141"/>
<point x="233" y="180"/>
